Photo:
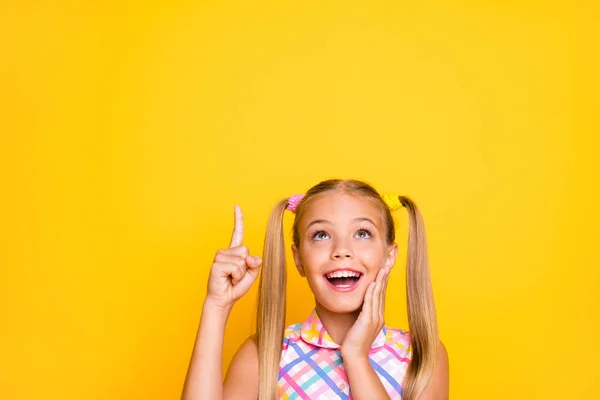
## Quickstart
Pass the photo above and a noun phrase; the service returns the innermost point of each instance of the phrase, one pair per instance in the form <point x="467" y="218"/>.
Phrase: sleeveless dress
<point x="311" y="365"/>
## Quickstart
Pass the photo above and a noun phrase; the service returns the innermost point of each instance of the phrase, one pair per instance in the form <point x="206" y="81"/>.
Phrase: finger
<point x="377" y="295"/>
<point x="384" y="292"/>
<point x="253" y="267"/>
<point x="237" y="273"/>
<point x="368" y="303"/>
<point x="228" y="270"/>
<point x="386" y="280"/>
<point x="253" y="262"/>
<point x="248" y="279"/>
<point x="239" y="251"/>
<point x="230" y="259"/>
<point x="238" y="228"/>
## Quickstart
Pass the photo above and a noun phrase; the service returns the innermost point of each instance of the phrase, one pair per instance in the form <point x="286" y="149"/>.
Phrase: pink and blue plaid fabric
<point x="312" y="367"/>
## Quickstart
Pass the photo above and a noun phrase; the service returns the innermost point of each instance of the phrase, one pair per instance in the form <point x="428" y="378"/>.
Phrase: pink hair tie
<point x="294" y="201"/>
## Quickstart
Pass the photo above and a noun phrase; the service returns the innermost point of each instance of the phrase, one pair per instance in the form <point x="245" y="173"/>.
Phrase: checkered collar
<point x="313" y="332"/>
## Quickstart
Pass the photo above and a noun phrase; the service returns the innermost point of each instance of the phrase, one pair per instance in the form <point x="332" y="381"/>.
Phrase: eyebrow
<point x="364" y="219"/>
<point x="317" y="221"/>
<point x="324" y="221"/>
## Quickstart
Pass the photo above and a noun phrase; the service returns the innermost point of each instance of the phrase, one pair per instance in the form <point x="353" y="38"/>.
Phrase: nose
<point x="342" y="250"/>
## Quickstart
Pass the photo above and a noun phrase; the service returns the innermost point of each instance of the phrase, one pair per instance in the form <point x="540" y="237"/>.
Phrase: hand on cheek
<point x="360" y="337"/>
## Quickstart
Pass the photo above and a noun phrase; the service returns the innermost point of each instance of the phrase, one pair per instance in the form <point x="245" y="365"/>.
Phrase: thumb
<point x="253" y="262"/>
<point x="250" y="276"/>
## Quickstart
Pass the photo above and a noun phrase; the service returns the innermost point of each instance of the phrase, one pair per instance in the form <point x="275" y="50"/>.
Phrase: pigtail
<point x="422" y="319"/>
<point x="270" y="319"/>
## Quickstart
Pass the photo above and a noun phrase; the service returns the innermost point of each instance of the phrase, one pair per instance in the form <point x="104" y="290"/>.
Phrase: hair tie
<point x="294" y="201"/>
<point x="392" y="201"/>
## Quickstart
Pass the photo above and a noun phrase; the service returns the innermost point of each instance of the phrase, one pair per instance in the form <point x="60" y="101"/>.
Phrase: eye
<point x="320" y="235"/>
<point x="363" y="234"/>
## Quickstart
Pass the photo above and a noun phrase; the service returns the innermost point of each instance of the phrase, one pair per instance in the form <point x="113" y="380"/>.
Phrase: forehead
<point x="338" y="207"/>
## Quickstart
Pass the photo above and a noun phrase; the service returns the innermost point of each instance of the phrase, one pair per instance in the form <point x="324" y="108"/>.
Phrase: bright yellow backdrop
<point x="129" y="130"/>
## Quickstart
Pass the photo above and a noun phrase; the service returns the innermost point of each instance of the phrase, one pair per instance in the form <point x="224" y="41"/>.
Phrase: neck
<point x="336" y="324"/>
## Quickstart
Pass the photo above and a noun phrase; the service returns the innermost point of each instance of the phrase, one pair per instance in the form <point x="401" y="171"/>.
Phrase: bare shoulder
<point x="439" y="387"/>
<point x="241" y="380"/>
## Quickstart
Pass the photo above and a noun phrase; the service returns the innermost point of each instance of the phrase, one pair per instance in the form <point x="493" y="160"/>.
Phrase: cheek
<point x="314" y="258"/>
<point x="372" y="258"/>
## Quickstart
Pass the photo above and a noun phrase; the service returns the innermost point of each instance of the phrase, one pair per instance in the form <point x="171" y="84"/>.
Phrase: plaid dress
<point x="312" y="367"/>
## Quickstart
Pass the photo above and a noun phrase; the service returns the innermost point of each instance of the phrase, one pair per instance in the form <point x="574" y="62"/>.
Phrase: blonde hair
<point x="270" y="323"/>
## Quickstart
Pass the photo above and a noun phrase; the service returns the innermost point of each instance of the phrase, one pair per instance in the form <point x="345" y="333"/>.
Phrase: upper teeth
<point x="343" y="274"/>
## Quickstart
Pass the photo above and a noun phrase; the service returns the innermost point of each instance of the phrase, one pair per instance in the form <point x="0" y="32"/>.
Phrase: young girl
<point x="343" y="244"/>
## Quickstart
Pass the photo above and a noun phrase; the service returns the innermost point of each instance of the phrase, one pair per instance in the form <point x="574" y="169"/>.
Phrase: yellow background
<point x="129" y="130"/>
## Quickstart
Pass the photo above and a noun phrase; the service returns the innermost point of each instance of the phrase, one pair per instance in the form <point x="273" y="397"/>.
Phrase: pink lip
<point x="343" y="289"/>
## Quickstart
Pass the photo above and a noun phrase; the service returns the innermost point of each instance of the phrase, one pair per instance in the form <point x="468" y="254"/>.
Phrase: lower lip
<point x="343" y="288"/>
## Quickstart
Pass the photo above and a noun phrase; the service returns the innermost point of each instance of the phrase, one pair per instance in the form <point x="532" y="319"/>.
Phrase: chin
<point x="340" y="302"/>
<point x="342" y="307"/>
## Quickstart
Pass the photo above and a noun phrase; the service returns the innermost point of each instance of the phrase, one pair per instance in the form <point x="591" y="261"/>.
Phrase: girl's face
<point x="342" y="248"/>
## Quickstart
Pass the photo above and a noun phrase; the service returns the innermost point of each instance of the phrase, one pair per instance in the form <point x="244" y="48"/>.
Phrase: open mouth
<point x="343" y="280"/>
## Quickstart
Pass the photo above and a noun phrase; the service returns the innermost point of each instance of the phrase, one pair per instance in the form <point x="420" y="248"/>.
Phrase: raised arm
<point x="232" y="274"/>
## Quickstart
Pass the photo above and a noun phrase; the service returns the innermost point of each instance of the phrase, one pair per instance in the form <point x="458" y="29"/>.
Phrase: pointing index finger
<point x="238" y="228"/>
